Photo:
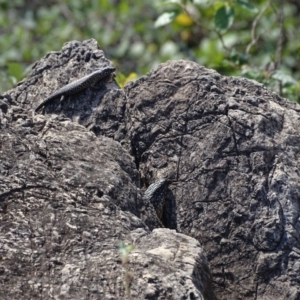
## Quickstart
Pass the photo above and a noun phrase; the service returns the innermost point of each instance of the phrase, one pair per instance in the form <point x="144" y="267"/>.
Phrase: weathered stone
<point x="70" y="185"/>
<point x="170" y="265"/>
<point x="234" y="148"/>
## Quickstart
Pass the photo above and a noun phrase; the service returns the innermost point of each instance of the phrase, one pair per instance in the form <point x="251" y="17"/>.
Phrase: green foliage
<point x="235" y="37"/>
<point x="246" y="4"/>
<point x="239" y="37"/>
<point x="124" y="251"/>
<point x="224" y="17"/>
<point x="165" y="18"/>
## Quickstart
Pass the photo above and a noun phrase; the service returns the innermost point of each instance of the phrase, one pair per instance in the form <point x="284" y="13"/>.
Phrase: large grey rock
<point x="232" y="148"/>
<point x="169" y="265"/>
<point x="71" y="183"/>
<point x="69" y="194"/>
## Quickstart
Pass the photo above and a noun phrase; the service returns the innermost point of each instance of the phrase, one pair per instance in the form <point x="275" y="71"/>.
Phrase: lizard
<point x="78" y="85"/>
<point x="155" y="194"/>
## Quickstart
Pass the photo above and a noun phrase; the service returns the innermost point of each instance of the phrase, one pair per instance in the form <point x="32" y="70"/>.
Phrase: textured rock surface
<point x="234" y="148"/>
<point x="70" y="185"/>
<point x="165" y="257"/>
<point x="69" y="195"/>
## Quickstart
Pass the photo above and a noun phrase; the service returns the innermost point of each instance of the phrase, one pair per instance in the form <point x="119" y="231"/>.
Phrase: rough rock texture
<point x="234" y="148"/>
<point x="179" y="257"/>
<point x="71" y="185"/>
<point x="69" y="196"/>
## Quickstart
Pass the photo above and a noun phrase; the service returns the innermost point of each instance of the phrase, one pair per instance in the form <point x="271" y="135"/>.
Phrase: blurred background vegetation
<point x="257" y="39"/>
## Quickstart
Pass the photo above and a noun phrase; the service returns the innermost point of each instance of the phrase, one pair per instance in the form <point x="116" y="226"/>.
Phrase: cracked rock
<point x="72" y="180"/>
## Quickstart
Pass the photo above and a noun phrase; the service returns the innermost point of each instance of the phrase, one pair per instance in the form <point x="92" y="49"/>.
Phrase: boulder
<point x="72" y="179"/>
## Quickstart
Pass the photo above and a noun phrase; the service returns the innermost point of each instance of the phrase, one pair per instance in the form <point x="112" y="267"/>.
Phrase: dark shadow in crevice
<point x="169" y="218"/>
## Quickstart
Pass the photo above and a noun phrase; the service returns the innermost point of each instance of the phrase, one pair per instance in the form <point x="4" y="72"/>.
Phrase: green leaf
<point x="172" y="2"/>
<point x="224" y="18"/>
<point x="247" y="5"/>
<point x="165" y="19"/>
<point x="15" y="69"/>
<point x="284" y="78"/>
<point x="200" y="2"/>
<point x="124" y="249"/>
<point x="239" y="58"/>
<point x="252" y="73"/>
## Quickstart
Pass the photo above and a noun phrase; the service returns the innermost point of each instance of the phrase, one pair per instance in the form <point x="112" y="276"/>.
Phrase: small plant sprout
<point x="128" y="275"/>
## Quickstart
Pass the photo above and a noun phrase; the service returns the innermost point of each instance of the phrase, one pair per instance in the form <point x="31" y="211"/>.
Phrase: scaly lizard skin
<point x="78" y="85"/>
<point x="155" y="194"/>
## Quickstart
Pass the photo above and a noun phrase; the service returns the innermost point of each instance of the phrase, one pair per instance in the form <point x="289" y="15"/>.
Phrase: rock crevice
<point x="72" y="181"/>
